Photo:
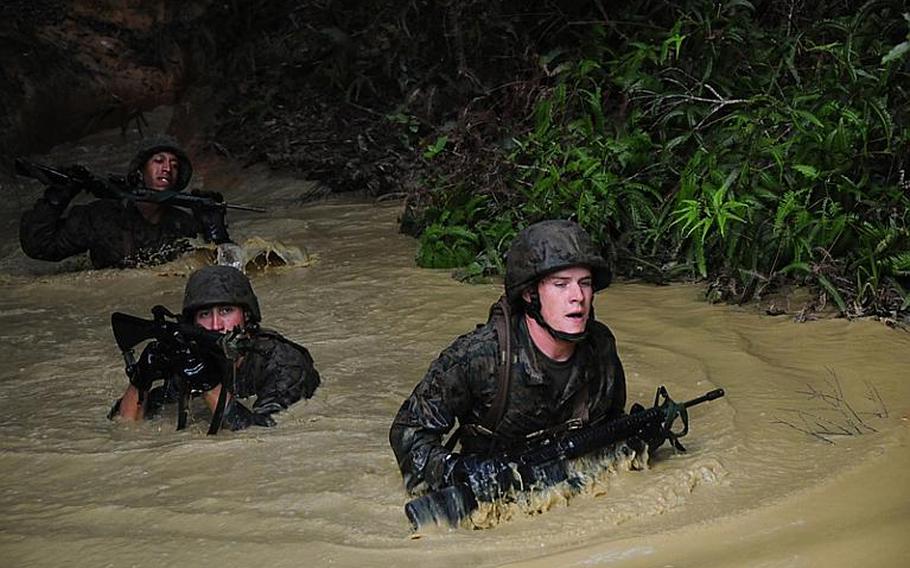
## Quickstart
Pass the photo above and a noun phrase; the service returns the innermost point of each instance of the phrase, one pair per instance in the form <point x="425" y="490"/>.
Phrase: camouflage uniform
<point x="274" y="369"/>
<point x="462" y="383"/>
<point x="277" y="371"/>
<point x="114" y="232"/>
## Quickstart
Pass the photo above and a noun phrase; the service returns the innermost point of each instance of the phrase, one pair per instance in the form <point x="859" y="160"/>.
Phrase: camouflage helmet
<point x="213" y="285"/>
<point x="550" y="246"/>
<point x="151" y="146"/>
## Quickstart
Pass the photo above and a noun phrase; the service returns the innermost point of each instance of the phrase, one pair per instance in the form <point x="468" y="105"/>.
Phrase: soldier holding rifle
<point x="542" y="363"/>
<point x="277" y="371"/>
<point x="120" y="232"/>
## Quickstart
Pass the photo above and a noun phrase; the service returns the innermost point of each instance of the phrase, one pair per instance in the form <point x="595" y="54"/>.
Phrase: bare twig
<point x="836" y="416"/>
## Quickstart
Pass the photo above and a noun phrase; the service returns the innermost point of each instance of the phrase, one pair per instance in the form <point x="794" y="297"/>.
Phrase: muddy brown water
<point x="803" y="463"/>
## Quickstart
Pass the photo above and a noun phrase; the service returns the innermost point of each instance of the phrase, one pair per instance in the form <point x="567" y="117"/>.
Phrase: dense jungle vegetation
<point x="750" y="144"/>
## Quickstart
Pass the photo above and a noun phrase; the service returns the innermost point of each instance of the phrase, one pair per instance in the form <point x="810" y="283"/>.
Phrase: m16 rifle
<point x="116" y="187"/>
<point x="545" y="463"/>
<point x="189" y="352"/>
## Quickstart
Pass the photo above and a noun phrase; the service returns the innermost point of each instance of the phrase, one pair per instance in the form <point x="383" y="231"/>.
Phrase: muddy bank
<point x="71" y="69"/>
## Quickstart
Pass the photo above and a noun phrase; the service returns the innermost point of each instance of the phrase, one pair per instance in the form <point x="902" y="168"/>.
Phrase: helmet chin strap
<point x="533" y="308"/>
<point x="249" y="326"/>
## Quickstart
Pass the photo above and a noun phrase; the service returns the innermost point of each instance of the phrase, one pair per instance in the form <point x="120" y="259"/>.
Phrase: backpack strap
<point x="501" y="318"/>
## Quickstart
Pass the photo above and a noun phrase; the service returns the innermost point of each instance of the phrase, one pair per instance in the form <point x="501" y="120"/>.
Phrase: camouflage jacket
<point x="114" y="233"/>
<point x="462" y="383"/>
<point x="277" y="371"/>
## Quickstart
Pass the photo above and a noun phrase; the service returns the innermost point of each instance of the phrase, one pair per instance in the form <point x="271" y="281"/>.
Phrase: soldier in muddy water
<point x="124" y="233"/>
<point x="563" y="368"/>
<point x="277" y="371"/>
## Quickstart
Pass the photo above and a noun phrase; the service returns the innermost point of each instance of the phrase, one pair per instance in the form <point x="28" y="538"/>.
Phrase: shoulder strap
<point x="501" y="318"/>
<point x="272" y="334"/>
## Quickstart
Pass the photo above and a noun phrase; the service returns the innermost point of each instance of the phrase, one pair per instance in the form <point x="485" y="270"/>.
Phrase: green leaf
<point x="796" y="267"/>
<point x="807" y="170"/>
<point x="436" y="147"/>
<point x="897" y="52"/>
<point x="832" y="291"/>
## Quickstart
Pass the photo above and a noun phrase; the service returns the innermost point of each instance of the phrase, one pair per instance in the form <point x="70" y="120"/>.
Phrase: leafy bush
<point x="733" y="141"/>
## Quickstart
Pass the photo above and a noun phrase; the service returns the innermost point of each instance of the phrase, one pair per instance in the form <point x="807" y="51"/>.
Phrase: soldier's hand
<point x="489" y="478"/>
<point x="86" y="181"/>
<point x="211" y="218"/>
<point x="60" y="195"/>
<point x="213" y="195"/>
<point x="239" y="417"/>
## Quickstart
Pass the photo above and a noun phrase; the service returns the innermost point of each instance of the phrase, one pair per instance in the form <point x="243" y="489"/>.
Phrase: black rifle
<point x="177" y="337"/>
<point x="116" y="187"/>
<point x="544" y="464"/>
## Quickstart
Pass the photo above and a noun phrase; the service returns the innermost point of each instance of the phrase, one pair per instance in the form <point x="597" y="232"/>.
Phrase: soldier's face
<point x="160" y="171"/>
<point x="565" y="299"/>
<point x="221" y="317"/>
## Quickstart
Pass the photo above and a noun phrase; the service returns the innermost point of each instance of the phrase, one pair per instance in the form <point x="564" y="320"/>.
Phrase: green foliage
<point x="900" y="50"/>
<point x="435" y="148"/>
<point x="571" y="166"/>
<point x="731" y="139"/>
<point x="708" y="216"/>
<point x="450" y="241"/>
<point x="443" y="246"/>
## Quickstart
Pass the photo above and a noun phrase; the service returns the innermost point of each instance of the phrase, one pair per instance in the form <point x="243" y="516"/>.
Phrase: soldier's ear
<point x="526" y="294"/>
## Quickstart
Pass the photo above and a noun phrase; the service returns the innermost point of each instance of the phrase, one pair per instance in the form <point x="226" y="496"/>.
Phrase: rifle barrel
<point x="245" y="208"/>
<point x="708" y="396"/>
<point x="183" y="200"/>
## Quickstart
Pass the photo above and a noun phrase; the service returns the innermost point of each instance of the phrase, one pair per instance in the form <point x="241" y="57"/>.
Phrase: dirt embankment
<point x="70" y="68"/>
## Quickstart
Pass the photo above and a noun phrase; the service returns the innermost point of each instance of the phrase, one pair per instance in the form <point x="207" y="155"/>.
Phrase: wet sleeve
<point x="289" y="375"/>
<point x="45" y="234"/>
<point x="424" y="418"/>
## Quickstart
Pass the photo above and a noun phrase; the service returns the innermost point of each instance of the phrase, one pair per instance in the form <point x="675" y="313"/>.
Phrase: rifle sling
<point x="183" y="400"/>
<point x="218" y="414"/>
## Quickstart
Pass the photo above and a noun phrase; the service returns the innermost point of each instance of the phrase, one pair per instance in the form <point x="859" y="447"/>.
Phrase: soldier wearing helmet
<point x="541" y="363"/>
<point x="277" y="371"/>
<point x="123" y="233"/>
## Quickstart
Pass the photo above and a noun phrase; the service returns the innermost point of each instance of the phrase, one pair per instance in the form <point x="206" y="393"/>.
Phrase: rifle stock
<point x="545" y="464"/>
<point x="44" y="174"/>
<point x="130" y="331"/>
